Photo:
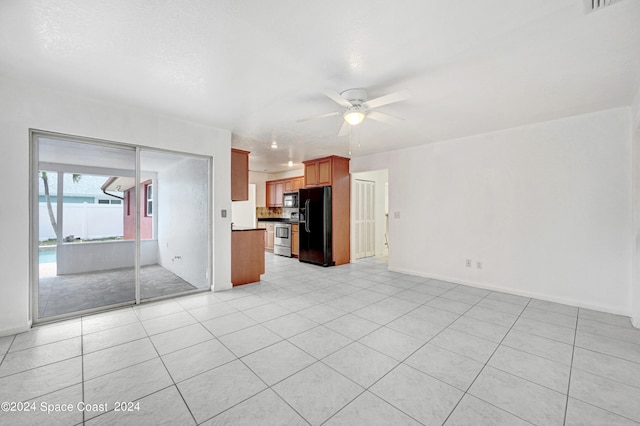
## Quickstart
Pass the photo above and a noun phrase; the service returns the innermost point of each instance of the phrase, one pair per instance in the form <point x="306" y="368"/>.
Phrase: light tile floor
<point x="349" y="345"/>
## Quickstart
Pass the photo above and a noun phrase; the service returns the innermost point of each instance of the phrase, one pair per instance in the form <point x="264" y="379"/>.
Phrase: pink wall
<point x="146" y="221"/>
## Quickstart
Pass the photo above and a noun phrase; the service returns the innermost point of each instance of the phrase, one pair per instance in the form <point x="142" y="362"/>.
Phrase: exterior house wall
<point x="146" y="221"/>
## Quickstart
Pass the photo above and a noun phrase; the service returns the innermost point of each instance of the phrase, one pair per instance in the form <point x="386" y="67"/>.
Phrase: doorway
<point x="115" y="224"/>
<point x="364" y="218"/>
<point x="369" y="208"/>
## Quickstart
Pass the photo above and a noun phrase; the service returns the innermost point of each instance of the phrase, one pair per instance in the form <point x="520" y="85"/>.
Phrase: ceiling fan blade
<point x="315" y="117"/>
<point x="384" y="118"/>
<point x="335" y="97"/>
<point x="344" y="130"/>
<point x="387" y="99"/>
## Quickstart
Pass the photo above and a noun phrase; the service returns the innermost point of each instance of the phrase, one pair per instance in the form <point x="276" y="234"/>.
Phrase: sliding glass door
<point x="115" y="224"/>
<point x="174" y="223"/>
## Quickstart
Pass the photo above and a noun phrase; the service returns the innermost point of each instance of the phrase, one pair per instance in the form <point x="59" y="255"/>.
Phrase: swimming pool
<point x="47" y="255"/>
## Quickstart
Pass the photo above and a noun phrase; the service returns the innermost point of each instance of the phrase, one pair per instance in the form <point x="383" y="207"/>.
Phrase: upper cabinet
<point x="239" y="175"/>
<point x="323" y="171"/>
<point x="292" y="185"/>
<point x="275" y="189"/>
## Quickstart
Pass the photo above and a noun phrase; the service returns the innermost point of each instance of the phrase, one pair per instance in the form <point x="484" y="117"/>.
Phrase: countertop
<point x="278" y="219"/>
<point x="245" y="228"/>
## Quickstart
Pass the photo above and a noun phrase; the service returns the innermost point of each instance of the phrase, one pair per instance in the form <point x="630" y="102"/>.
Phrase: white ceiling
<point x="255" y="67"/>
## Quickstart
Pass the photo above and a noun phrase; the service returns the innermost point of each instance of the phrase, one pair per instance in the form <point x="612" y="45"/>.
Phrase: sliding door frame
<point x="34" y="270"/>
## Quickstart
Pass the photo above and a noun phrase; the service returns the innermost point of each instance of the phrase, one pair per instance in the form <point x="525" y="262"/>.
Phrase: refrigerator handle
<point x="306" y="218"/>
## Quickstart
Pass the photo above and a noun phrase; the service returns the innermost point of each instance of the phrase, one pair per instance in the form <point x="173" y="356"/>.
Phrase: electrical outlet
<point x="479" y="265"/>
<point x="223" y="213"/>
<point x="468" y="263"/>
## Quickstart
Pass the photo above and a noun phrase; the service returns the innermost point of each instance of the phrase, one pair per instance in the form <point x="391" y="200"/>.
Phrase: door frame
<point x="34" y="273"/>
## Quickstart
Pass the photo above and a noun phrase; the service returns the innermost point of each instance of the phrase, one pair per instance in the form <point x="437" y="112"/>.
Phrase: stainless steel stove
<point x="282" y="239"/>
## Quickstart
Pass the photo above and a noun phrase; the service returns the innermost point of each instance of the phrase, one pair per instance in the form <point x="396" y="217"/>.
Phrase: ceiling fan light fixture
<point x="354" y="115"/>
<point x="274" y="145"/>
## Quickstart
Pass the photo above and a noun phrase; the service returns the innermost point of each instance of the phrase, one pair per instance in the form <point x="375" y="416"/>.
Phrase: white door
<point x="365" y="218"/>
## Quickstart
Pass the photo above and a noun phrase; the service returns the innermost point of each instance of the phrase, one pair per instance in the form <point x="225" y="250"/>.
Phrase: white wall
<point x="182" y="219"/>
<point x="23" y="107"/>
<point x="380" y="177"/>
<point x="88" y="221"/>
<point x="76" y="258"/>
<point x="243" y="213"/>
<point x="635" y="111"/>
<point x="259" y="179"/>
<point x="288" y="174"/>
<point x="546" y="208"/>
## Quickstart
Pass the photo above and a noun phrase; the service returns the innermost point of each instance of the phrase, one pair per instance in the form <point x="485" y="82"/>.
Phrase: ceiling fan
<point x="358" y="107"/>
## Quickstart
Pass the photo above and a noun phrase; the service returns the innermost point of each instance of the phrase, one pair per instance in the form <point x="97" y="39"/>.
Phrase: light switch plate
<point x="223" y="213"/>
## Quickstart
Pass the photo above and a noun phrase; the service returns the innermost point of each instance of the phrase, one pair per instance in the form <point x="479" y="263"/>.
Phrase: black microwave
<point x="290" y="199"/>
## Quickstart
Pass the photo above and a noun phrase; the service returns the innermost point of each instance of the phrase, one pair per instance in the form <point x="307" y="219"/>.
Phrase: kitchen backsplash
<point x="268" y="212"/>
<point x="273" y="212"/>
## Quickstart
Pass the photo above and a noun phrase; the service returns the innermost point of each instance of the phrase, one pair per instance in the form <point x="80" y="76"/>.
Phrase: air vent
<point x="595" y="5"/>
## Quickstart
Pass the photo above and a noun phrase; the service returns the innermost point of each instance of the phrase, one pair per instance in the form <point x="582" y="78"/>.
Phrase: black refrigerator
<point x="315" y="226"/>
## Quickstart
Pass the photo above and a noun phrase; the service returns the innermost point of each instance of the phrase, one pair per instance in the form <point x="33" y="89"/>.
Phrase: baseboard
<point x="518" y="292"/>
<point x="15" y="330"/>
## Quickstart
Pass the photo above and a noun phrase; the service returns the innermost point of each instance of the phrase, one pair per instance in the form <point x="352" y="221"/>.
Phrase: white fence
<point x="87" y="221"/>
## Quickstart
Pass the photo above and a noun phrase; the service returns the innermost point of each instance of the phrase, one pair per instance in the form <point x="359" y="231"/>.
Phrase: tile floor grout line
<point x="485" y="365"/>
<point x="612" y="338"/>
<point x="573" y="351"/>
<point x="606" y="410"/>
<point x="268" y="387"/>
<point x="609" y="355"/>
<point x="169" y="374"/>
<point x="4" y="356"/>
<point x="402" y="362"/>
<point x="324" y="289"/>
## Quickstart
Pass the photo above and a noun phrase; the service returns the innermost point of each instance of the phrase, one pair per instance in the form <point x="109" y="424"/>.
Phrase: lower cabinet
<point x="268" y="236"/>
<point x="294" y="239"/>
<point x="247" y="256"/>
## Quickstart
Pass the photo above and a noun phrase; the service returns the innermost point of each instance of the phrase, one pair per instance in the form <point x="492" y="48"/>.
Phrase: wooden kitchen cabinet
<point x="324" y="172"/>
<point x="320" y="172"/>
<point x="334" y="171"/>
<point x="268" y="235"/>
<point x="275" y="189"/>
<point x="294" y="240"/>
<point x="247" y="256"/>
<point x="271" y="194"/>
<point x="239" y="175"/>
<point x="311" y="173"/>
<point x="279" y="193"/>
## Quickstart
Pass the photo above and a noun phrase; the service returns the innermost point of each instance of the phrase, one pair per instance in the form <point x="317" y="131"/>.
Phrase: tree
<point x="45" y="180"/>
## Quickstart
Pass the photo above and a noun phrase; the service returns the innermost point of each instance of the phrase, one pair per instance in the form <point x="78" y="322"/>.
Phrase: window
<point x="149" y="197"/>
<point x="109" y="201"/>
